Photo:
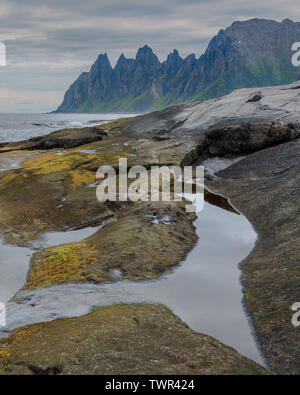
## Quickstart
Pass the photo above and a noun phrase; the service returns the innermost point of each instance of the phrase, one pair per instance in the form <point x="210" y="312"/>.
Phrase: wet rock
<point x="30" y="196"/>
<point x="67" y="138"/>
<point x="265" y="187"/>
<point x="245" y="138"/>
<point x="116" y="273"/>
<point x="138" y="242"/>
<point x="121" y="339"/>
<point x="255" y="98"/>
<point x="13" y="160"/>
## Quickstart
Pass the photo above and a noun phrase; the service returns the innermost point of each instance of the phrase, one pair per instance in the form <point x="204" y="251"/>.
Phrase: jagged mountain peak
<point x="175" y="53"/>
<point x="145" y="50"/>
<point x="249" y="53"/>
<point x="174" y="60"/>
<point x="173" y="56"/>
<point x="102" y="58"/>
<point x="146" y="55"/>
<point x="102" y="63"/>
<point x="190" y="58"/>
<point x="123" y="61"/>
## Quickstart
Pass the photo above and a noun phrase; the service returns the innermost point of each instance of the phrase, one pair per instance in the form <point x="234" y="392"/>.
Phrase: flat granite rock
<point x="242" y="122"/>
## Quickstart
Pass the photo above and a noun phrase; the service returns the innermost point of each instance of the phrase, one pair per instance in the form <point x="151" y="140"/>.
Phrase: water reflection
<point x="204" y="290"/>
<point x="14" y="261"/>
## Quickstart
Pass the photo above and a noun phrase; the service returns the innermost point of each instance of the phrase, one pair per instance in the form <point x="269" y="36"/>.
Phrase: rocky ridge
<point x="231" y="61"/>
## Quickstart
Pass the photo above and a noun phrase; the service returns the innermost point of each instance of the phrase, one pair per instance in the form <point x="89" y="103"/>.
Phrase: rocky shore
<point x="119" y="339"/>
<point x="265" y="187"/>
<point x="52" y="188"/>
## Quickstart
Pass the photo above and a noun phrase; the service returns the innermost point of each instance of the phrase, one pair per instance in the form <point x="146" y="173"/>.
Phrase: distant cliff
<point x="246" y="54"/>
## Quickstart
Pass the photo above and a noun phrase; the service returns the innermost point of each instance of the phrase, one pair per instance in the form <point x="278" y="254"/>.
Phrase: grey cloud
<point x="49" y="42"/>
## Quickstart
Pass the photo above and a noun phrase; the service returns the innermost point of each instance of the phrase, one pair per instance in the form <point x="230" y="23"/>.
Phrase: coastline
<point x="263" y="173"/>
<point x="191" y="239"/>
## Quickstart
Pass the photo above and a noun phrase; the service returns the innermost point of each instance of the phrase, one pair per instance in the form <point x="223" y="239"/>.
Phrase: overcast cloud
<point x="49" y="42"/>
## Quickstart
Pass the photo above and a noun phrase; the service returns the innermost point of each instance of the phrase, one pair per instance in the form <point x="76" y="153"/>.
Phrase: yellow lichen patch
<point x="82" y="177"/>
<point x="50" y="163"/>
<point x="40" y="224"/>
<point x="4" y="354"/>
<point x="106" y="153"/>
<point x="8" y="177"/>
<point x="62" y="264"/>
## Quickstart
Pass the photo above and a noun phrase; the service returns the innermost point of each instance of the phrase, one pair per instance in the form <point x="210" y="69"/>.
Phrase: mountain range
<point x="247" y="54"/>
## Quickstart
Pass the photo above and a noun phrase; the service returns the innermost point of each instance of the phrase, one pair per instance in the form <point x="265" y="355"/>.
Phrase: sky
<point x="50" y="42"/>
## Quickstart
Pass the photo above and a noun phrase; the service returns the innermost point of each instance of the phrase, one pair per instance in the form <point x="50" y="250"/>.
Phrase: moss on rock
<point x="120" y="339"/>
<point x="130" y="242"/>
<point x="62" y="264"/>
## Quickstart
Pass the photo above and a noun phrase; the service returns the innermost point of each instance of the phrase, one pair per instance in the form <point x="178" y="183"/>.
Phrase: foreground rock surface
<point x="121" y="339"/>
<point x="137" y="243"/>
<point x="264" y="186"/>
<point x="55" y="190"/>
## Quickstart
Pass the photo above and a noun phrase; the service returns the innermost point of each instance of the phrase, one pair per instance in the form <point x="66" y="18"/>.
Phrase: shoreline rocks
<point x="119" y="339"/>
<point x="230" y="124"/>
<point x="130" y="241"/>
<point x="66" y="138"/>
<point x="263" y="185"/>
